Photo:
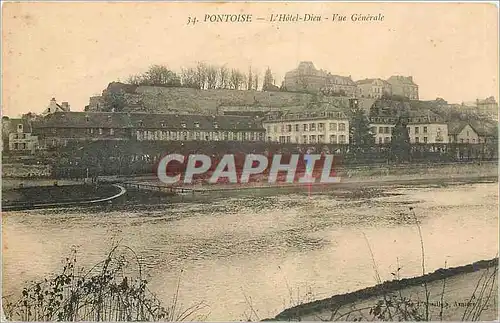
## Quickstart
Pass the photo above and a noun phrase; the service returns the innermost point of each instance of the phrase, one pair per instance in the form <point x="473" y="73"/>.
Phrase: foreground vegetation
<point x="112" y="290"/>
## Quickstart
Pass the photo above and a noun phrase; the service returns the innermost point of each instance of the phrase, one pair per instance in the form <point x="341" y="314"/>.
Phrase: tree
<point x="223" y="77"/>
<point x="400" y="141"/>
<point x="201" y="75"/>
<point x="212" y="73"/>
<point x="268" y="80"/>
<point x="256" y="82"/>
<point x="157" y="75"/>
<point x="359" y="127"/>
<point x="250" y="80"/>
<point x="189" y="78"/>
<point x="114" y="101"/>
<point x="161" y="75"/>
<point x="237" y="79"/>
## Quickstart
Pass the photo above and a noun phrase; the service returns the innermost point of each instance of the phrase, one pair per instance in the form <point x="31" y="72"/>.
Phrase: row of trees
<point x="204" y="76"/>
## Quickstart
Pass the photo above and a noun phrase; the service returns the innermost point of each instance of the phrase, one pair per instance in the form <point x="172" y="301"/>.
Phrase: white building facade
<point x="327" y="127"/>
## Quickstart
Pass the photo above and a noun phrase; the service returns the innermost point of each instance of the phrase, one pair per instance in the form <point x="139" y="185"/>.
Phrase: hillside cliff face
<point x="187" y="100"/>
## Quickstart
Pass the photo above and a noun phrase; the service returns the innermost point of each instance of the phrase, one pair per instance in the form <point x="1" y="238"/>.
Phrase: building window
<point x="111" y="131"/>
<point x="425" y="129"/>
<point x="312" y="126"/>
<point x="342" y="139"/>
<point x="304" y="139"/>
<point x="416" y="130"/>
<point x="341" y="126"/>
<point x="386" y="140"/>
<point x="417" y="140"/>
<point x="467" y="133"/>
<point x="386" y="130"/>
<point x="462" y="140"/>
<point x="196" y="124"/>
<point x="289" y="128"/>
<point x="333" y="126"/>
<point x="425" y="139"/>
<point x="333" y="139"/>
<point x="282" y="128"/>
<point x="288" y="139"/>
<point x="312" y="139"/>
<point x="305" y="126"/>
<point x="380" y="129"/>
<point x="140" y="123"/>
<point x="321" y="126"/>
<point x="297" y="128"/>
<point x="321" y="139"/>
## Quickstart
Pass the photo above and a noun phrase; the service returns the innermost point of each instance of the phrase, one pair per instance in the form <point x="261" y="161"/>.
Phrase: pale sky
<point x="71" y="51"/>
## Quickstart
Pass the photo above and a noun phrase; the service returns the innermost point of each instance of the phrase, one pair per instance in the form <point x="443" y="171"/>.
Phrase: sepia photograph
<point x="249" y="161"/>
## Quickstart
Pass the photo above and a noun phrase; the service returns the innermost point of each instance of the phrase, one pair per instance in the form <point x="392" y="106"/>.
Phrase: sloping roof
<point x="12" y="123"/>
<point x="365" y="81"/>
<point x="369" y="81"/>
<point x="146" y="121"/>
<point x="401" y="79"/>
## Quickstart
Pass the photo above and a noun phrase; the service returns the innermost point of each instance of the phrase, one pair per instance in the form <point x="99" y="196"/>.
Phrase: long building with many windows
<point x="62" y="127"/>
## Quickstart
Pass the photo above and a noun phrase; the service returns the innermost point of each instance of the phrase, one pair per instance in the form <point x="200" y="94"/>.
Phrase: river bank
<point x="454" y="294"/>
<point x="45" y="196"/>
<point x="347" y="179"/>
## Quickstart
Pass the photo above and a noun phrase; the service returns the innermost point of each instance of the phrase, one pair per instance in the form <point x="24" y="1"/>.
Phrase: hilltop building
<point x="403" y="86"/>
<point x="374" y="88"/>
<point x="488" y="106"/>
<point x="307" y="78"/>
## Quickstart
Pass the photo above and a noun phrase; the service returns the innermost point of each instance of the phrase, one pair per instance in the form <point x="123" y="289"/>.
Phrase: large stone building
<point x="307" y="78"/>
<point x="403" y="86"/>
<point x="329" y="127"/>
<point x="488" y="107"/>
<point x="374" y="88"/>
<point x="59" y="128"/>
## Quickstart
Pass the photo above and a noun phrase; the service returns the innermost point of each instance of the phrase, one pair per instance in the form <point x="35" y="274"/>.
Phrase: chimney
<point x="65" y="106"/>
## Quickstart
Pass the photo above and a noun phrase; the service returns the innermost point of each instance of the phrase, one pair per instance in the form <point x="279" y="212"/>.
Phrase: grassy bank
<point x="462" y="293"/>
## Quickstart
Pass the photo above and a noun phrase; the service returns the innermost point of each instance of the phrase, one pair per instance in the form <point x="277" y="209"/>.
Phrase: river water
<point x="264" y="252"/>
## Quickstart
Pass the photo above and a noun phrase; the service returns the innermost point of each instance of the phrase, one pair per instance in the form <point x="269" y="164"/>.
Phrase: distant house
<point x="403" y="86"/>
<point x="55" y="107"/>
<point x="19" y="133"/>
<point x="463" y="132"/>
<point x="374" y="88"/>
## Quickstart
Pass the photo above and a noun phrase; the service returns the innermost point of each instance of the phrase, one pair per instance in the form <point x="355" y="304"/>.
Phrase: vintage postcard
<point x="249" y="161"/>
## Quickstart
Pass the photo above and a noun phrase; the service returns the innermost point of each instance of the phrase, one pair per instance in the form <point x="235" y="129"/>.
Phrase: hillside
<point x="157" y="99"/>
